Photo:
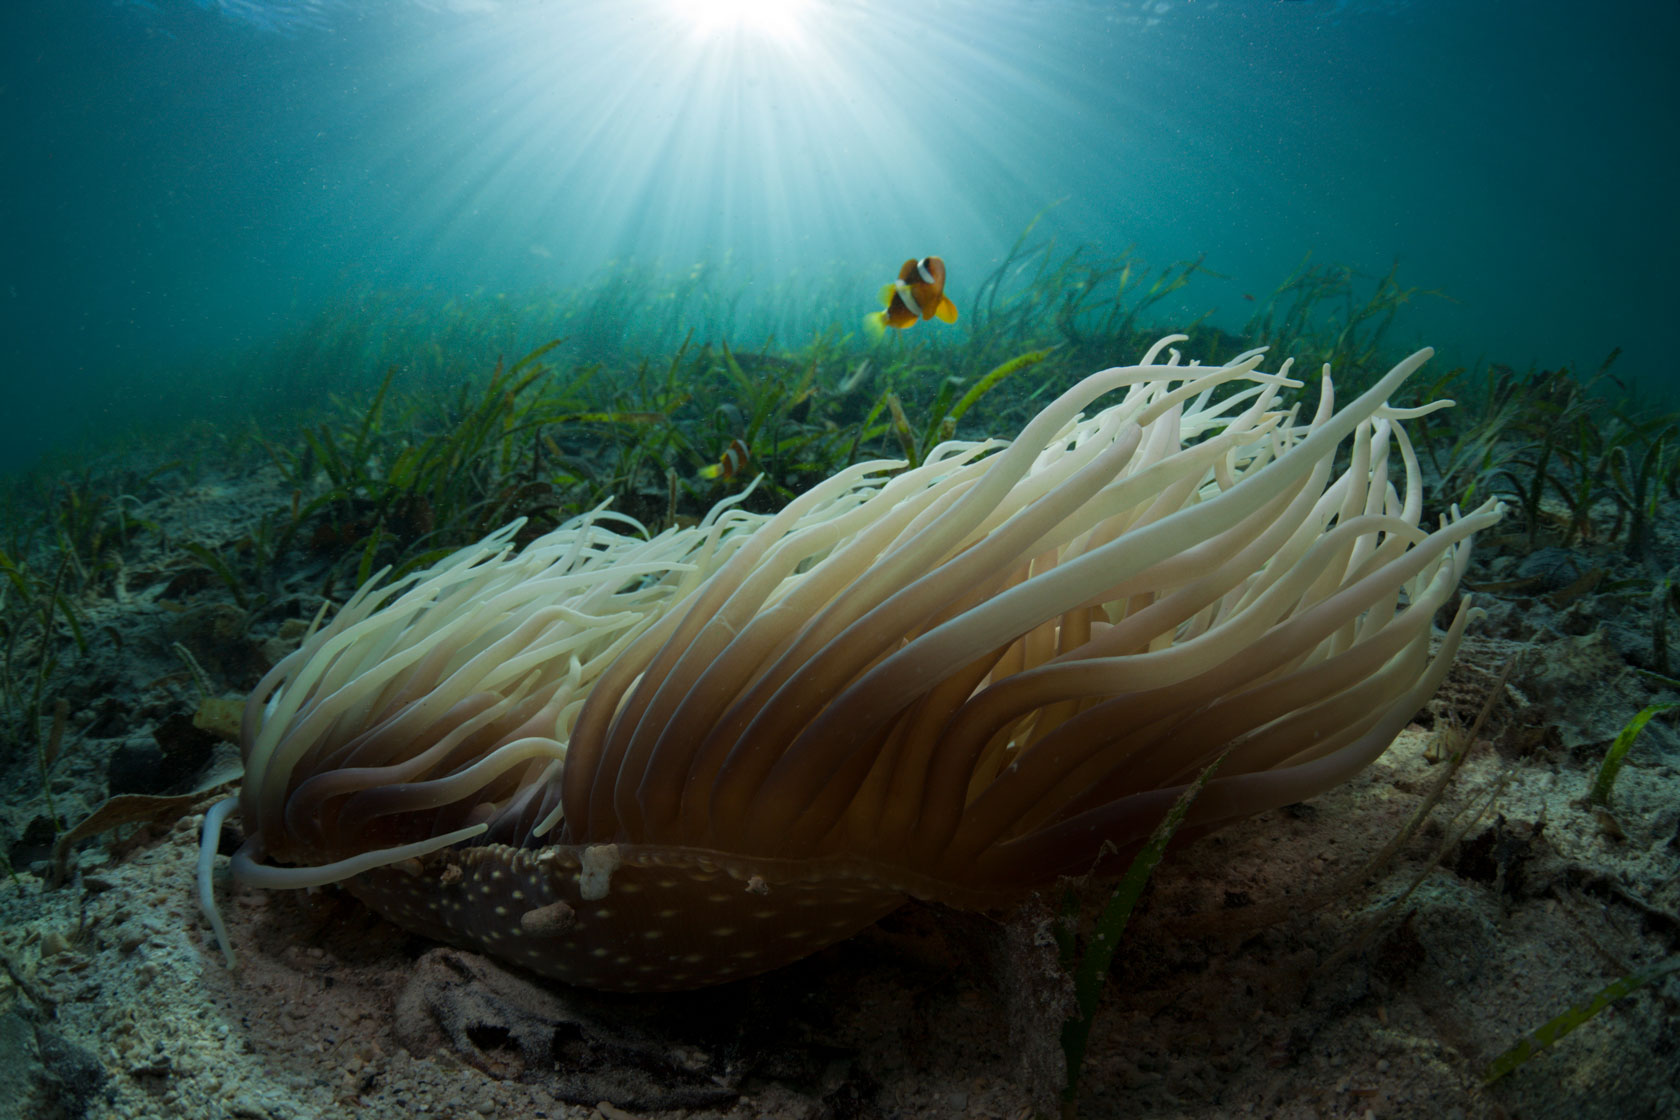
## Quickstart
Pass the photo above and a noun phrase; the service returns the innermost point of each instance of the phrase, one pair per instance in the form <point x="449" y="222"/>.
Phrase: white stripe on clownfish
<point x="908" y="297"/>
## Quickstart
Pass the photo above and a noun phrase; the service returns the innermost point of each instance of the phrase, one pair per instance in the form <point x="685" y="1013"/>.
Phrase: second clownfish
<point x="918" y="293"/>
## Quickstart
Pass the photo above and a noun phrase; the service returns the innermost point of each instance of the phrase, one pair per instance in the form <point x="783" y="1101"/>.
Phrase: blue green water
<point x="188" y="184"/>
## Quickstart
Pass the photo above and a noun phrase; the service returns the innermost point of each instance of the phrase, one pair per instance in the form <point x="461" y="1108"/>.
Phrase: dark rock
<point x="168" y="764"/>
<point x="35" y="845"/>
<point x="136" y="767"/>
<point x="1499" y="855"/>
<point x="43" y="1076"/>
<point x="1553" y="568"/>
<point x="74" y="1074"/>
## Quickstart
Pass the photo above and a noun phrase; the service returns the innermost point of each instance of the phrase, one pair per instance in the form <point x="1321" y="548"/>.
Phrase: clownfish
<point x="735" y="458"/>
<point x="918" y="293"/>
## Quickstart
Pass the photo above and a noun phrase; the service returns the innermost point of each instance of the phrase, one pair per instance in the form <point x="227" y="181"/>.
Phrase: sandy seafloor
<point x="1233" y="995"/>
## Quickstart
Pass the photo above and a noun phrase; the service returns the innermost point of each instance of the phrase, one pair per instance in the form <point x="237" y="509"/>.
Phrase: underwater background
<point x="199" y="192"/>
<point x="300" y="291"/>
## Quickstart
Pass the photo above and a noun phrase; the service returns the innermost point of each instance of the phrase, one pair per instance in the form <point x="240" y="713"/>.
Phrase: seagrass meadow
<point x="815" y="560"/>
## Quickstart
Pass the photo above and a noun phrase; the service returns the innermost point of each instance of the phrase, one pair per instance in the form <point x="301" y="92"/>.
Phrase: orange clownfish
<point x="918" y="293"/>
<point x="735" y="458"/>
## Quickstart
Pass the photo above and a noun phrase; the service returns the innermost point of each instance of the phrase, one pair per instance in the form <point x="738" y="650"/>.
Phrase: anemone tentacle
<point x="636" y="761"/>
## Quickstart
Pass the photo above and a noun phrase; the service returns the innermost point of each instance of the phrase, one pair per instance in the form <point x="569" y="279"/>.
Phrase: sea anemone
<point x="652" y="763"/>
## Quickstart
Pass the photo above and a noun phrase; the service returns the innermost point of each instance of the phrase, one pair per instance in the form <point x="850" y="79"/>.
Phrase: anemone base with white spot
<point x="671" y="918"/>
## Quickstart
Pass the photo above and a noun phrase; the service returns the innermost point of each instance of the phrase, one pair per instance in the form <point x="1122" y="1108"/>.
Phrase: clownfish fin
<point x="710" y="471"/>
<point x="886" y="295"/>
<point x="947" y="311"/>
<point x="875" y="325"/>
